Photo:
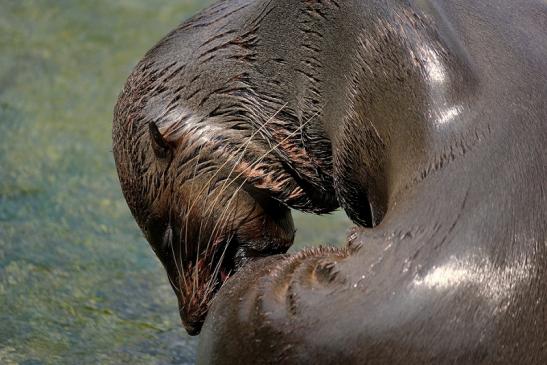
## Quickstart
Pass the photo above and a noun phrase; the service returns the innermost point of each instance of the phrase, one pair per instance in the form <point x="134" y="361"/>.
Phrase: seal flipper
<point x="161" y="147"/>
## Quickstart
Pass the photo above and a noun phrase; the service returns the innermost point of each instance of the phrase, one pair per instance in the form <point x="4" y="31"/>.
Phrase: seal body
<point x="425" y="121"/>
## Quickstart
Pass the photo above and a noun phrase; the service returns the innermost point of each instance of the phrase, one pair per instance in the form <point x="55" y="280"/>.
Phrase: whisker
<point x="219" y="264"/>
<point x="242" y="154"/>
<point x="252" y="165"/>
<point x="180" y="269"/>
<point x="258" y="160"/>
<point x="261" y="158"/>
<point x="244" y="147"/>
<point x="187" y="214"/>
<point x="228" y="208"/>
<point x="173" y="284"/>
<point x="186" y="222"/>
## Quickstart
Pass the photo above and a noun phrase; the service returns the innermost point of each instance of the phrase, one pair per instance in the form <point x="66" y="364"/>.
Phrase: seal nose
<point x="193" y="328"/>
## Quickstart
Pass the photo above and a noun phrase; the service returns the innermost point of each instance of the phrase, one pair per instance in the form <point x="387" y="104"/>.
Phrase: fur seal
<point x="424" y="120"/>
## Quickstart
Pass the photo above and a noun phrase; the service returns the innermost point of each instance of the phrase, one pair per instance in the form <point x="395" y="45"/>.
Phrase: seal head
<point x="209" y="166"/>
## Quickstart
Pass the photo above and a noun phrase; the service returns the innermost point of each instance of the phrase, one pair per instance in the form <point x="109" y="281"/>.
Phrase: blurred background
<point x="78" y="283"/>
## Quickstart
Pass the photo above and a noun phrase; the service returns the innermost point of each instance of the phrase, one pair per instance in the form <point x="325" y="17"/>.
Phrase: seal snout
<point x="192" y="328"/>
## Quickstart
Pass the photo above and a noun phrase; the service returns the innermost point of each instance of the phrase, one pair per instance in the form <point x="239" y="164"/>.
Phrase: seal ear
<point x="161" y="147"/>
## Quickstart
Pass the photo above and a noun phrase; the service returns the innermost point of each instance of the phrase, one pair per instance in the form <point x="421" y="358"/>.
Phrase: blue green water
<point x="78" y="283"/>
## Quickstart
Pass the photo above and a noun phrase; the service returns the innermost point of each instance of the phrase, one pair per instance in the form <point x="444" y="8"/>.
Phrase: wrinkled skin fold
<point x="424" y="120"/>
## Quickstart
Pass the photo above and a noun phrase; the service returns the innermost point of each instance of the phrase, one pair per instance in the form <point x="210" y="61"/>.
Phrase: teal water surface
<point x="78" y="283"/>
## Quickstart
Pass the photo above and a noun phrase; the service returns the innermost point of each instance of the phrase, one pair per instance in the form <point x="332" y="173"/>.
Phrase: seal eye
<point x="161" y="147"/>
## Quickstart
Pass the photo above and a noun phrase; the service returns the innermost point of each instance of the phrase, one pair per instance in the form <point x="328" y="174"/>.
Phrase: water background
<point x="78" y="283"/>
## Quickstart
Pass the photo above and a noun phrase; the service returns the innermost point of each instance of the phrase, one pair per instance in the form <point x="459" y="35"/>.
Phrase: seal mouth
<point x="202" y="278"/>
<point x="204" y="275"/>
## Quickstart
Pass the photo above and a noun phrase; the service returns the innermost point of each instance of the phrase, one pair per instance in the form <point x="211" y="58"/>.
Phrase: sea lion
<point x="424" y="120"/>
